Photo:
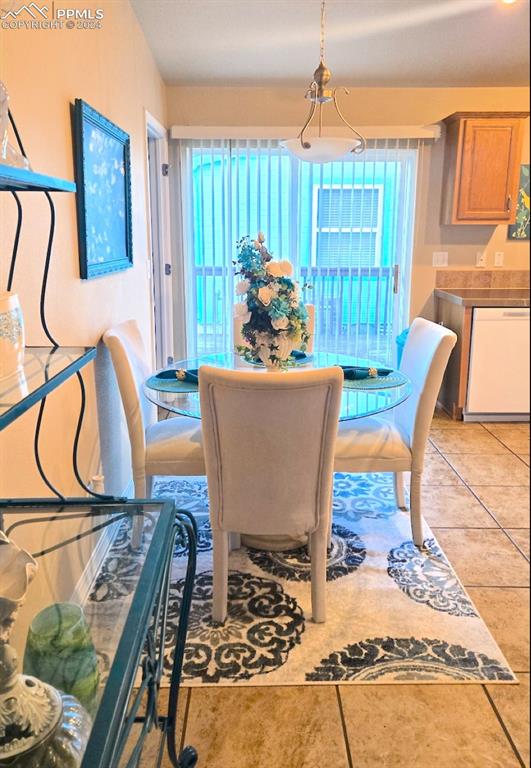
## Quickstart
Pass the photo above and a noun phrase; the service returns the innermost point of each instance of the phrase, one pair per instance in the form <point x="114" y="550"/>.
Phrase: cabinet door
<point x="488" y="167"/>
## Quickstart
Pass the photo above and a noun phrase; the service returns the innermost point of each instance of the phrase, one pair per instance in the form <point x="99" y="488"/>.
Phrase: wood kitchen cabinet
<point x="482" y="167"/>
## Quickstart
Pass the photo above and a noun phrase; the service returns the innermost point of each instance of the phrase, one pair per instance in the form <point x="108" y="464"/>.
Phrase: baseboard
<point x="85" y="583"/>
<point x="493" y="417"/>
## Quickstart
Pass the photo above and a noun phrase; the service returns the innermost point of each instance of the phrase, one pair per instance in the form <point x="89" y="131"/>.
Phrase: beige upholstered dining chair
<point x="170" y="447"/>
<point x="239" y="340"/>
<point x="269" y="450"/>
<point x="397" y="443"/>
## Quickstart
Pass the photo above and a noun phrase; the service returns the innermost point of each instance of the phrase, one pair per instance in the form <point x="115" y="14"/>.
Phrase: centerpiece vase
<point x="40" y="727"/>
<point x="274" y="350"/>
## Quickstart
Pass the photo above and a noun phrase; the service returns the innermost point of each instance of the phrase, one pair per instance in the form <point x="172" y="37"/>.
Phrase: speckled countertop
<point x="485" y="297"/>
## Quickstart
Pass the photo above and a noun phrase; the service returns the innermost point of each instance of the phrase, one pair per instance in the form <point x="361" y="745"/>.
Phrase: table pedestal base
<point x="273" y="543"/>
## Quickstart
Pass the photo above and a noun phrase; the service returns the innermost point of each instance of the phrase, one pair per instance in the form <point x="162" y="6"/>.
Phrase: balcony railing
<point x="353" y="308"/>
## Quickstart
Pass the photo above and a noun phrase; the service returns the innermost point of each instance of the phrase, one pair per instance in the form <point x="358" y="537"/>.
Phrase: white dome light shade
<point x="323" y="149"/>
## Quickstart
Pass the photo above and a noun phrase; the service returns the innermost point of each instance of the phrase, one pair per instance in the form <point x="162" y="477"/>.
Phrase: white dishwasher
<point x="498" y="375"/>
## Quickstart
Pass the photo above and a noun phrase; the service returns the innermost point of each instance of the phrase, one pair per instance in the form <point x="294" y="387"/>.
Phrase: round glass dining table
<point x="360" y="398"/>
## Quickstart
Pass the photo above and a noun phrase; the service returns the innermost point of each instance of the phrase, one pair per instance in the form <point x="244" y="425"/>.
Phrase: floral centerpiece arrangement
<point x="272" y="314"/>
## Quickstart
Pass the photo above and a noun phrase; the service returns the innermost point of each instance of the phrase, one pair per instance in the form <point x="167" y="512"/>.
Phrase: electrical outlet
<point x="498" y="259"/>
<point x="481" y="259"/>
<point x="440" y="258"/>
<point x="97" y="484"/>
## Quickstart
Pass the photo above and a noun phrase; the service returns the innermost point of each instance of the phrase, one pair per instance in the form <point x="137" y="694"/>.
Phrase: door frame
<point x="159" y="229"/>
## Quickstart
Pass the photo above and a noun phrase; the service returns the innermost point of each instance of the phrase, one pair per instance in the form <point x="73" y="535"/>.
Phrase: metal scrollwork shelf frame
<point x="63" y="187"/>
<point x="142" y="645"/>
<point x="152" y="663"/>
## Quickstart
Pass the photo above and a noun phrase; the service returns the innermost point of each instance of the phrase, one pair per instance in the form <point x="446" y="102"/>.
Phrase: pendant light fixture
<point x="323" y="149"/>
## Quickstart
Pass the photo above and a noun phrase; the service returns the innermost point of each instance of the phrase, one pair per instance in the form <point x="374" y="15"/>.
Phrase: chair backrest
<point x="130" y="364"/>
<point x="269" y="442"/>
<point x="238" y="339"/>
<point x="424" y="359"/>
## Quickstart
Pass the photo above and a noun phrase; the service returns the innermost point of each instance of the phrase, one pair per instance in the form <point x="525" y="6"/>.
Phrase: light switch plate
<point x="481" y="259"/>
<point x="498" y="259"/>
<point x="440" y="258"/>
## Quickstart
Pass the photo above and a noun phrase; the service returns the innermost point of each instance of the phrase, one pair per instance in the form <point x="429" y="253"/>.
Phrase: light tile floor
<point x="476" y="499"/>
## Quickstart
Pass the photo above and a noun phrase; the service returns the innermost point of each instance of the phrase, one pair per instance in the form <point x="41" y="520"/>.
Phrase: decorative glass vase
<point x="40" y="727"/>
<point x="44" y="728"/>
<point x="11" y="335"/>
<point x="9" y="155"/>
<point x="60" y="651"/>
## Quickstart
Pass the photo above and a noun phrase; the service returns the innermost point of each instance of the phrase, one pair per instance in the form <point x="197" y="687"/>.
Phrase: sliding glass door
<point x="346" y="226"/>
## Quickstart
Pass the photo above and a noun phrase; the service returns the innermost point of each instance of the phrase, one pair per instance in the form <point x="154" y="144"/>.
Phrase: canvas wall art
<point x="103" y="177"/>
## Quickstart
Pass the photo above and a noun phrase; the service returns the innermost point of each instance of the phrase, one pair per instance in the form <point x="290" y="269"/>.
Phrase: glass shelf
<point x="45" y="368"/>
<point x="21" y="180"/>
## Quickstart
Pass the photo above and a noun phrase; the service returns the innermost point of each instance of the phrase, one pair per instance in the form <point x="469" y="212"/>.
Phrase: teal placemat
<point x="171" y="385"/>
<point x="394" y="379"/>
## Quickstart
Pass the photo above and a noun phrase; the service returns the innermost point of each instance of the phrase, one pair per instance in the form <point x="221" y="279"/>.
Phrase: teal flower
<point x="279" y="308"/>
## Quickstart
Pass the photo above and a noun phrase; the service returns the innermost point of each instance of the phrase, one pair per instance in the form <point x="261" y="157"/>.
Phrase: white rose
<point x="280" y="324"/>
<point x="240" y="309"/>
<point x="274" y="269"/>
<point x="265" y="295"/>
<point x="242" y="287"/>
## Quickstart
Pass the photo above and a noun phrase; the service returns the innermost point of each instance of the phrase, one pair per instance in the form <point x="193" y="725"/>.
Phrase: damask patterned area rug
<point x="394" y="614"/>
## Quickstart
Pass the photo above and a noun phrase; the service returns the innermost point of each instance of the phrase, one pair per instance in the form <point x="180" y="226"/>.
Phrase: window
<point x="347" y="225"/>
<point x="343" y="225"/>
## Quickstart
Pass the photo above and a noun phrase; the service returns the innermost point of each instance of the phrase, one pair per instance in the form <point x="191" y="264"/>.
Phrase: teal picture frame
<point x="102" y="161"/>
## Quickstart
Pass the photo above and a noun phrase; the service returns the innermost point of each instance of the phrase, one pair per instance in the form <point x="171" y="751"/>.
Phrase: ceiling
<point x="368" y="42"/>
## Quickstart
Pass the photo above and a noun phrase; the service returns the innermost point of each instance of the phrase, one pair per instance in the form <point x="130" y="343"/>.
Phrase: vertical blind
<point x="346" y="226"/>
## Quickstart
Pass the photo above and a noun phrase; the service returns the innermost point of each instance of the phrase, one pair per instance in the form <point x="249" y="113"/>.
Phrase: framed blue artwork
<point x="103" y="199"/>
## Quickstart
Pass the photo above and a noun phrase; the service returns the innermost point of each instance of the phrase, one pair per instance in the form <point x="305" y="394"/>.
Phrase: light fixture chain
<point x="322" y="39"/>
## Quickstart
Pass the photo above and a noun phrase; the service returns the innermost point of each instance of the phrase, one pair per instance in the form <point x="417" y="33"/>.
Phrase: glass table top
<point x="359" y="398"/>
<point x="70" y="604"/>
<point x="45" y="368"/>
